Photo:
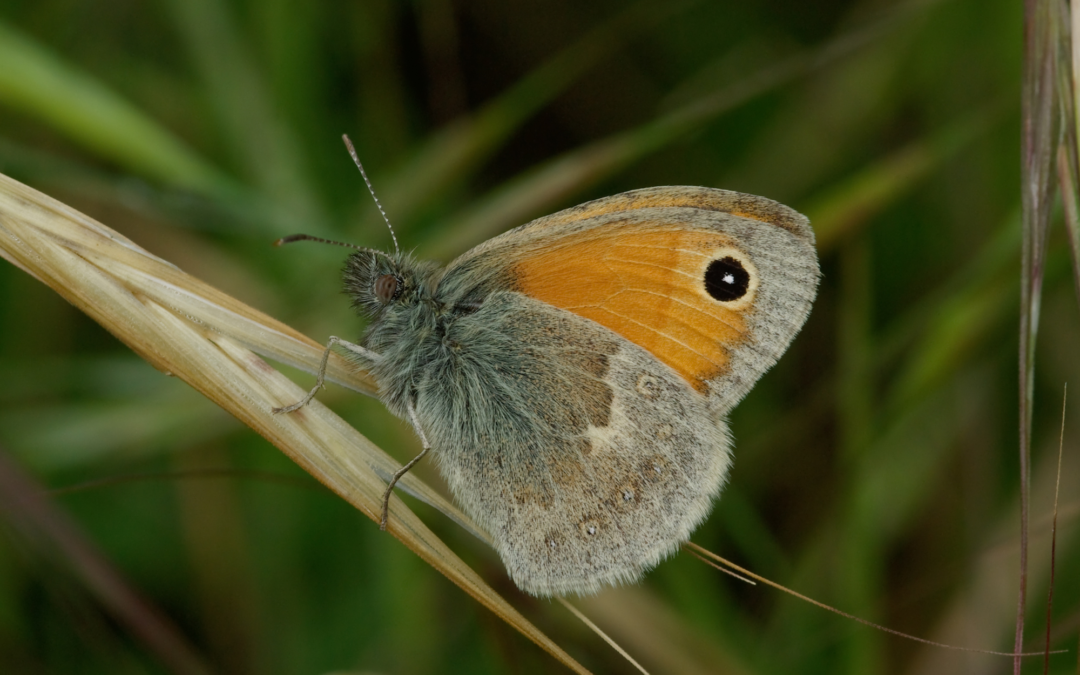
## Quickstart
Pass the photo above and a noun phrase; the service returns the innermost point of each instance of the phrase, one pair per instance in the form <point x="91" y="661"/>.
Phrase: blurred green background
<point x="876" y="465"/>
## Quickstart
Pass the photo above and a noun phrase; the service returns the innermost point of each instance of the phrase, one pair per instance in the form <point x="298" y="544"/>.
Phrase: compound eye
<point x="386" y="288"/>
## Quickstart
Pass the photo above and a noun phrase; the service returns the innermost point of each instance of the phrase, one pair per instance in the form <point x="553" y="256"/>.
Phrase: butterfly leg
<point x="405" y="469"/>
<point x="321" y="376"/>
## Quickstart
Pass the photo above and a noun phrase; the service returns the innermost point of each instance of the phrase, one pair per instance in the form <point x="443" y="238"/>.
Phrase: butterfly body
<point x="573" y="375"/>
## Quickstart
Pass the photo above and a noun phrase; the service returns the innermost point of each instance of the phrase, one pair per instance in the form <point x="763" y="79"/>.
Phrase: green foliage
<point x="876" y="466"/>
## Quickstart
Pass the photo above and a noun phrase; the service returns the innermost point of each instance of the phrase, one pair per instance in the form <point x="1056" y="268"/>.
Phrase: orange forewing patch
<point x="646" y="286"/>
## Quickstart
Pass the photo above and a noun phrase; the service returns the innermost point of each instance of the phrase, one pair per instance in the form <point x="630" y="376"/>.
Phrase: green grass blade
<point x="850" y="204"/>
<point x="40" y="84"/>
<point x="1068" y="158"/>
<point x="264" y="147"/>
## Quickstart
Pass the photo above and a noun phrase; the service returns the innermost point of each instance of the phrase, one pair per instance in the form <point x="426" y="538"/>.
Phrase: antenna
<point x="356" y="159"/>
<point x="307" y="237"/>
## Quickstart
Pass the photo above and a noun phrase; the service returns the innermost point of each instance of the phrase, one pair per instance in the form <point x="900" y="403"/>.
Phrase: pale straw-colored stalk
<point x="188" y="329"/>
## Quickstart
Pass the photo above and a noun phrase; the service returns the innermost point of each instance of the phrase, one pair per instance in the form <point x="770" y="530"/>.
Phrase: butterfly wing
<point x="713" y="283"/>
<point x="586" y="458"/>
<point x="578" y="412"/>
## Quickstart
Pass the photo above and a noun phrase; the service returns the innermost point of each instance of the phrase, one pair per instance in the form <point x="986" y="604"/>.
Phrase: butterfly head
<point x="377" y="281"/>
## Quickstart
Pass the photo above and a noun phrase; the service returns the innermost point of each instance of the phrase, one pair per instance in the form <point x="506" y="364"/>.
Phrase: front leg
<point x="321" y="375"/>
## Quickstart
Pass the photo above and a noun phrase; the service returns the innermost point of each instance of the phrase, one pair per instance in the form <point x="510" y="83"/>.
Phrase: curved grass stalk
<point x="193" y="331"/>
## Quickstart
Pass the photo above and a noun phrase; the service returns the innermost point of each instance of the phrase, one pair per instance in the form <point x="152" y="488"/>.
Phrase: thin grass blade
<point x="1039" y="139"/>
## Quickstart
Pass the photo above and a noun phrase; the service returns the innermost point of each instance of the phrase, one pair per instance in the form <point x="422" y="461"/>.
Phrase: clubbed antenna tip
<point x="356" y="160"/>
<point x="307" y="237"/>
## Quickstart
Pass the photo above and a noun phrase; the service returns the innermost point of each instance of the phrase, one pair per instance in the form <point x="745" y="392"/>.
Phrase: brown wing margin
<point x="708" y="199"/>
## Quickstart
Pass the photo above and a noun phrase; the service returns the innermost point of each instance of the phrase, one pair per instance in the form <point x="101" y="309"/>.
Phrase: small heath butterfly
<point x="573" y="375"/>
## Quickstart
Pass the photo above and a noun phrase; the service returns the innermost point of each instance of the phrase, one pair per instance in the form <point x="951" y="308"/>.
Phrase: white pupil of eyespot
<point x="729" y="278"/>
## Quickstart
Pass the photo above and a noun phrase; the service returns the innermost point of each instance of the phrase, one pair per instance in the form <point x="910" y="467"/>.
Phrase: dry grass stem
<point x="195" y="332"/>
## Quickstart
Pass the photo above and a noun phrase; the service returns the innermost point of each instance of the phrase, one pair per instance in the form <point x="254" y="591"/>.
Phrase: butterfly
<point x="572" y="376"/>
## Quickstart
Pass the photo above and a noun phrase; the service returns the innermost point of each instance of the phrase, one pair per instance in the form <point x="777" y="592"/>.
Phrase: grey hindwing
<point x="587" y="459"/>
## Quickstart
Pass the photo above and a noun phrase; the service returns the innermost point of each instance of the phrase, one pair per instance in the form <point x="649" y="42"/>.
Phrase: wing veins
<point x="668" y="297"/>
<point x="649" y="264"/>
<point x="648" y="327"/>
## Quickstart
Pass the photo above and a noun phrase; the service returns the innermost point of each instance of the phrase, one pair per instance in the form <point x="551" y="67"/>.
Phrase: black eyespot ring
<point x="726" y="279"/>
<point x="387" y="288"/>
